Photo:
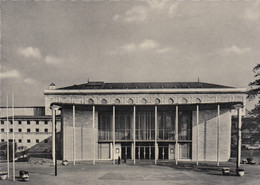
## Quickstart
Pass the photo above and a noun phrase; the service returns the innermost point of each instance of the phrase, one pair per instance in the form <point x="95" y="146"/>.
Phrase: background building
<point x="32" y="128"/>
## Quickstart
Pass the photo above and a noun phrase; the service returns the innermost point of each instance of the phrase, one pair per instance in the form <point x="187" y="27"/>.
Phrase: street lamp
<point x="54" y="130"/>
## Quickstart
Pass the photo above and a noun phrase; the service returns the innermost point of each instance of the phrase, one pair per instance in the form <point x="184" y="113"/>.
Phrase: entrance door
<point x="126" y="151"/>
<point x="144" y="151"/>
<point x="163" y="152"/>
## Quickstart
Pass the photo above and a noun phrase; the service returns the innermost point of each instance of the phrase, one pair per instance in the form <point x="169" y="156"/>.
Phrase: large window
<point x="105" y="126"/>
<point x="184" y="126"/>
<point x="166" y="126"/>
<point x="122" y="126"/>
<point x="145" y="126"/>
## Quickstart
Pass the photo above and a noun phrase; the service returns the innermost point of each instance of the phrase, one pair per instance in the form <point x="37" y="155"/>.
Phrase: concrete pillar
<point x="94" y="136"/>
<point x="218" y="123"/>
<point x="7" y="137"/>
<point x="155" y="136"/>
<point x="197" y="124"/>
<point x="114" y="134"/>
<point x="53" y="135"/>
<point x="239" y="137"/>
<point x="176" y="135"/>
<point x="134" y="123"/>
<point x="74" y="134"/>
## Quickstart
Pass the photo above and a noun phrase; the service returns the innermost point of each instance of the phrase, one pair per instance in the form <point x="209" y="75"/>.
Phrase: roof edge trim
<point x="130" y="91"/>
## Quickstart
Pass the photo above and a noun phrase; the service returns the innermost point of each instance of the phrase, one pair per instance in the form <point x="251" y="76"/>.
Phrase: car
<point x="254" y="147"/>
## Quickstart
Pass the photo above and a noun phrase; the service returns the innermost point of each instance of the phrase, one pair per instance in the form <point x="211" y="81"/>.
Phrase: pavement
<point x="144" y="172"/>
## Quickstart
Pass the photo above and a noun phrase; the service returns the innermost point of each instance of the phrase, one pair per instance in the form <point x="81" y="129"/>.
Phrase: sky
<point x="71" y="42"/>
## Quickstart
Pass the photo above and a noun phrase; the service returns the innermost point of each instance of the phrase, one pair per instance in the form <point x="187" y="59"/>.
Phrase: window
<point x="185" y="150"/>
<point x="2" y="122"/>
<point x="28" y="141"/>
<point x="2" y="130"/>
<point x="19" y="122"/>
<point x="185" y="125"/>
<point x="45" y="130"/>
<point x="11" y="130"/>
<point x="37" y="122"/>
<point x="166" y="125"/>
<point x="37" y="141"/>
<point x="19" y="130"/>
<point x="28" y="123"/>
<point x="45" y="140"/>
<point x="28" y="130"/>
<point x="2" y="140"/>
<point x="11" y="122"/>
<point x="145" y="129"/>
<point x="36" y="130"/>
<point x="19" y="140"/>
<point x="46" y="122"/>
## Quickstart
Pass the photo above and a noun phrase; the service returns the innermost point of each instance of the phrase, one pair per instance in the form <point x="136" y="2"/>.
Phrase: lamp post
<point x="54" y="130"/>
<point x="238" y="107"/>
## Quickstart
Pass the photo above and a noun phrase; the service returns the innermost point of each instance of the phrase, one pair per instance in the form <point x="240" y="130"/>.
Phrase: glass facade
<point x="145" y="132"/>
<point x="145" y="129"/>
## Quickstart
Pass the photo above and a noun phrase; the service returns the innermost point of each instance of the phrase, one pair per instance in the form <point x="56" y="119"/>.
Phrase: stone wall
<point x="84" y="135"/>
<point x="208" y="135"/>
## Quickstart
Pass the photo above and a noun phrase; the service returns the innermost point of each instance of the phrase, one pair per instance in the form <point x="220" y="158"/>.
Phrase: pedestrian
<point x="118" y="160"/>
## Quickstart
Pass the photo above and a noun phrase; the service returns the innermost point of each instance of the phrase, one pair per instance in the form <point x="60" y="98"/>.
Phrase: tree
<point x="252" y="94"/>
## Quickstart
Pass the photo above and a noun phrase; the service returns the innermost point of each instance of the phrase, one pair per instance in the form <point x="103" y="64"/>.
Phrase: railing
<point x="143" y="134"/>
<point x="185" y="135"/>
<point x="120" y="134"/>
<point x="166" y="134"/>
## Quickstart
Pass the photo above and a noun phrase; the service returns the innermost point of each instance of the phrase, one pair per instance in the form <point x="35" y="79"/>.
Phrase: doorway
<point x="126" y="151"/>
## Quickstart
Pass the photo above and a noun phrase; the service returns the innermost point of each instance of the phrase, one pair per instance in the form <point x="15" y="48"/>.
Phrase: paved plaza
<point x="42" y="172"/>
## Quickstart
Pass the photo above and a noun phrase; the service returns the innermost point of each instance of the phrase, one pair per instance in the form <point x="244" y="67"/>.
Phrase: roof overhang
<point x="145" y="91"/>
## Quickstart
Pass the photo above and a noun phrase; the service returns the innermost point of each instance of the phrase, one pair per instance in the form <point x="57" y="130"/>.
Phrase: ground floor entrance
<point x="145" y="151"/>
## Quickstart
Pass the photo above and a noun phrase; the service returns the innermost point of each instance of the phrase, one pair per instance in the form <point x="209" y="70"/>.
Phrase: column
<point x="176" y="135"/>
<point x="54" y="108"/>
<point x="114" y="135"/>
<point x="94" y="136"/>
<point x="134" y="123"/>
<point x="197" y="125"/>
<point x="64" y="142"/>
<point x="239" y="124"/>
<point x="53" y="135"/>
<point x="218" y="122"/>
<point x="13" y="137"/>
<point x="155" y="137"/>
<point x="7" y="136"/>
<point x="74" y="135"/>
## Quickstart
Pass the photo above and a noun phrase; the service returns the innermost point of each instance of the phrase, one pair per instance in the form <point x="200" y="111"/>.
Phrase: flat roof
<point x="145" y="85"/>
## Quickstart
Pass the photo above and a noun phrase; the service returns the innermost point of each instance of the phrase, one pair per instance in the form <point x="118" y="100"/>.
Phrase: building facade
<point x="32" y="130"/>
<point x="152" y="121"/>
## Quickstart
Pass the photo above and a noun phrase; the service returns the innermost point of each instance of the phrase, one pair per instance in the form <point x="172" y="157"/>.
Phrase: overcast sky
<point x="68" y="43"/>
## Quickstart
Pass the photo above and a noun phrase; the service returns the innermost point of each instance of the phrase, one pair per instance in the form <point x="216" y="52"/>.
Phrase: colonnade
<point x="55" y="108"/>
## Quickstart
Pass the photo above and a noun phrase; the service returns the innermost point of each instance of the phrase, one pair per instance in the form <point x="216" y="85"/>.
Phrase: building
<point x="153" y="121"/>
<point x="32" y="128"/>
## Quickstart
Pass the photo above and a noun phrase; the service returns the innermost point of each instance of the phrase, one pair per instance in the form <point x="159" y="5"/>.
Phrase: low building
<point x="153" y="121"/>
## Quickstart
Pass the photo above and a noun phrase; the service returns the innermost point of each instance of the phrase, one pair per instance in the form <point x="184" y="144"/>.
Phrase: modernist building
<point x="152" y="121"/>
<point x="31" y="128"/>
